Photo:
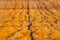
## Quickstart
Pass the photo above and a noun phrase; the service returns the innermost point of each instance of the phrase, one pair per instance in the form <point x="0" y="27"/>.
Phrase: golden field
<point x="29" y="19"/>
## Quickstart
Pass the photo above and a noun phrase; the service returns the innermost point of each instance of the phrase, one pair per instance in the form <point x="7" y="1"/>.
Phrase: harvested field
<point x="29" y="19"/>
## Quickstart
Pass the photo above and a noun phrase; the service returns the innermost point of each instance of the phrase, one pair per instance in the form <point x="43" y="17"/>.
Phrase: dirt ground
<point x="29" y="19"/>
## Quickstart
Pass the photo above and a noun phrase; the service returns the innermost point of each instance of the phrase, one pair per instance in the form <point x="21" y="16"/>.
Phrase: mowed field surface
<point x="29" y="19"/>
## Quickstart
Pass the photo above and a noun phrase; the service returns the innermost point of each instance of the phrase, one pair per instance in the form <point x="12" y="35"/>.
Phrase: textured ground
<point x="29" y="19"/>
